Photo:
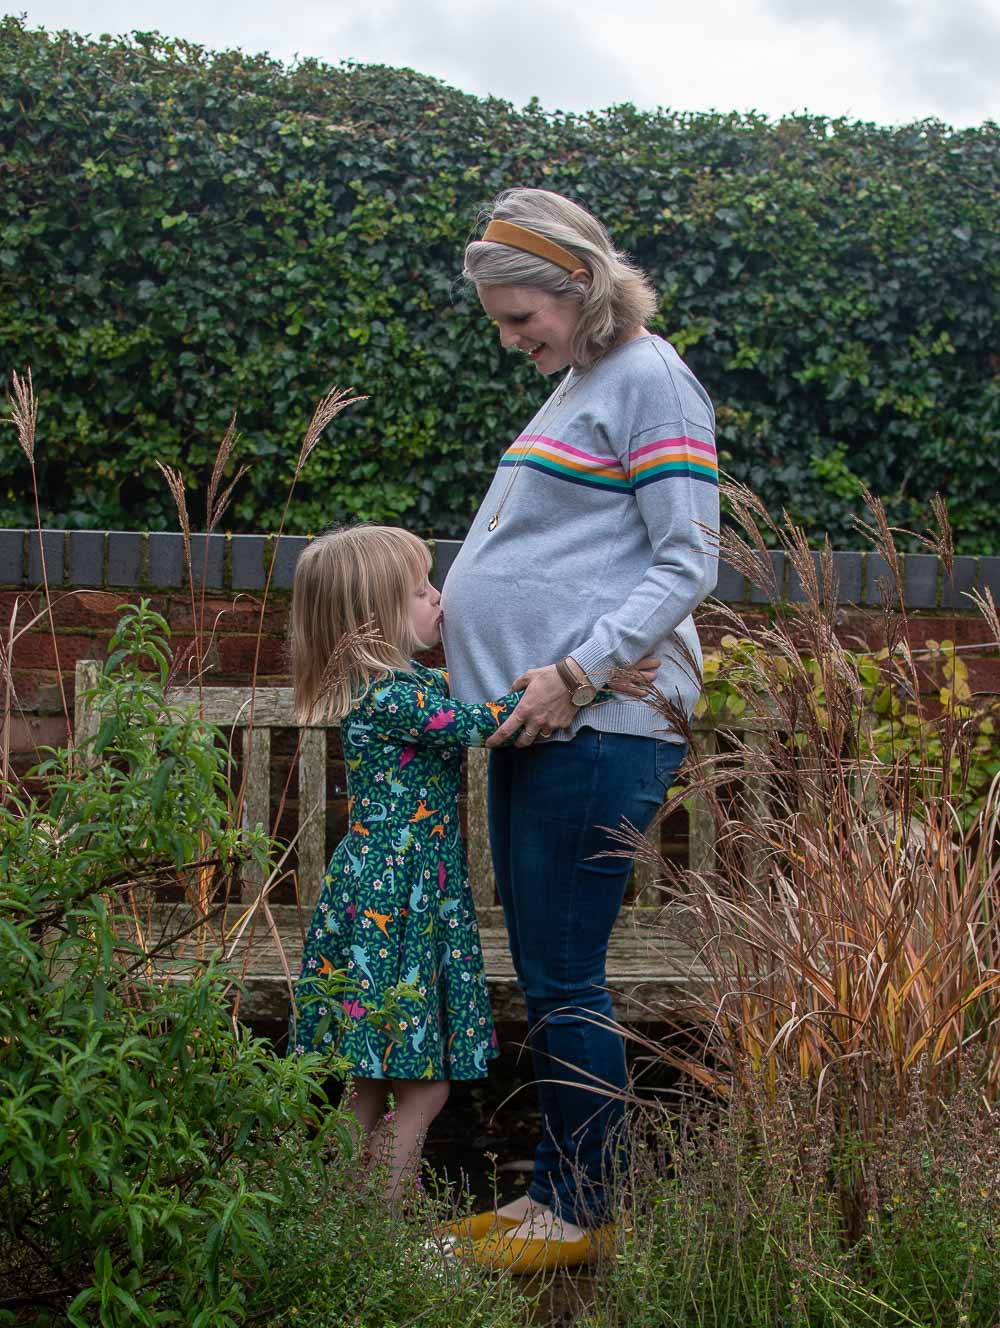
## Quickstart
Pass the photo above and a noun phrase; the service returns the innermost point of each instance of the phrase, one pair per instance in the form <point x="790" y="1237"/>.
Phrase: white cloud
<point x="887" y="60"/>
<point x="942" y="55"/>
<point x="492" y="47"/>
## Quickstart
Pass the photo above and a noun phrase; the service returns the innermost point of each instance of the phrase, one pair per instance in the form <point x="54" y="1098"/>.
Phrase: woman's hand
<point x="545" y="705"/>
<point x="648" y="667"/>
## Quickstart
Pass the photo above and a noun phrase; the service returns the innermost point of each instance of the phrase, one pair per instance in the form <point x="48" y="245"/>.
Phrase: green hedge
<point x="187" y="233"/>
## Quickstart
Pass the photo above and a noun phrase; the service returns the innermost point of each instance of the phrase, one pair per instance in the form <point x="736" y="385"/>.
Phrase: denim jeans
<point x="550" y="806"/>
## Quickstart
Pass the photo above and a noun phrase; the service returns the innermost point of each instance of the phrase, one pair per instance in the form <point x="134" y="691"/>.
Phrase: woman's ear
<point x="582" y="278"/>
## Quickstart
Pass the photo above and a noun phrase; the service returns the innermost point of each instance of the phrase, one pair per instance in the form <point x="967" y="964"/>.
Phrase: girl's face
<point x="535" y="322"/>
<point x="425" y="615"/>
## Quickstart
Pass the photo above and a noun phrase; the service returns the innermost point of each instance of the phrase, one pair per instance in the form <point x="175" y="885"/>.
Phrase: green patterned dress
<point x="395" y="906"/>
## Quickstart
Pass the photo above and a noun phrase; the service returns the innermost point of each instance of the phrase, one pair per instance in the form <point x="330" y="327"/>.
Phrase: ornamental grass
<point x="846" y="933"/>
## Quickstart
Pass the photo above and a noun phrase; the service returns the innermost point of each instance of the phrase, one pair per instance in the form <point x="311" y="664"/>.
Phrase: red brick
<point x="36" y="650"/>
<point x="237" y="654"/>
<point x="922" y="629"/>
<point x="38" y="690"/>
<point x="29" y="733"/>
<point x="860" y="630"/>
<point x="26" y="684"/>
<point x="100" y="609"/>
<point x="23" y="604"/>
<point x="984" y="675"/>
<point x="971" y="630"/>
<point x="240" y="614"/>
<point x="930" y="674"/>
<point x="188" y="660"/>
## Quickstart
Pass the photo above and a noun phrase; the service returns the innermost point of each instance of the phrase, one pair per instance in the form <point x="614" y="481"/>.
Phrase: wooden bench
<point x="263" y="937"/>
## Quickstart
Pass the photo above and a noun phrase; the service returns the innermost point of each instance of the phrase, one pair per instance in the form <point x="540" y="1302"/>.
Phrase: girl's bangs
<point x="417" y="556"/>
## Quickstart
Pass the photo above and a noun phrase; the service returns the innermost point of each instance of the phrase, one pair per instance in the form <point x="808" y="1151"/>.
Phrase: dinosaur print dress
<point x="392" y="972"/>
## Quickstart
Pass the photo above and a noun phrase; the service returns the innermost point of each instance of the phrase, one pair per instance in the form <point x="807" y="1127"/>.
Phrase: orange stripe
<point x="562" y="460"/>
<point x="696" y="458"/>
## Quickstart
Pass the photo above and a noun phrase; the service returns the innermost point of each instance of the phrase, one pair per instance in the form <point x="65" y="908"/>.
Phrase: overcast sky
<point x="884" y="60"/>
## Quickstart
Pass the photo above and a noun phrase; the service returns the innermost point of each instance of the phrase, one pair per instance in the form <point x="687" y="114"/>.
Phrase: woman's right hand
<point x="648" y="667"/>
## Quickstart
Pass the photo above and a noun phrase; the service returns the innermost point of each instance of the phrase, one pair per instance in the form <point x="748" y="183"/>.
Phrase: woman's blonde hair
<point x="350" y="617"/>
<point x="618" y="297"/>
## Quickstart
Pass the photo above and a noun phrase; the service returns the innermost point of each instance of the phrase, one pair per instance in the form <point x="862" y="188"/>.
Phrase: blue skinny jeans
<point x="550" y="806"/>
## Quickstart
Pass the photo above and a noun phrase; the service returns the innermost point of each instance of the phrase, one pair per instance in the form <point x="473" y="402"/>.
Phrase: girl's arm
<point x="415" y="711"/>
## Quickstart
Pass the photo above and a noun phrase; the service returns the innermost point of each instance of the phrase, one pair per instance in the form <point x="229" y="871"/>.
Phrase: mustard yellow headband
<point x="519" y="237"/>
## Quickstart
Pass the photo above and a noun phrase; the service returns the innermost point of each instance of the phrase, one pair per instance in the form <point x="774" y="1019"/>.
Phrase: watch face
<point x="584" y="695"/>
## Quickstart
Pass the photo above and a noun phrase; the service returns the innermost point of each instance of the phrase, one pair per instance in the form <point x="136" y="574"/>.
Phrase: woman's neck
<point x="632" y="334"/>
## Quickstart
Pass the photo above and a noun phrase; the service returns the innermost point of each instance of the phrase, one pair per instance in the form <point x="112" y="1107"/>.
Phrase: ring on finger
<point x="545" y="733"/>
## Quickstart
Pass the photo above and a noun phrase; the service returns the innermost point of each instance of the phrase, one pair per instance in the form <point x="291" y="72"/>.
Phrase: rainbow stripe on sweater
<point x="671" y="457"/>
<point x="668" y="458"/>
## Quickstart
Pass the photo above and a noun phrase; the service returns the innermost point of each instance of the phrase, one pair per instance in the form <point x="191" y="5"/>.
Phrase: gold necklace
<point x="553" y="403"/>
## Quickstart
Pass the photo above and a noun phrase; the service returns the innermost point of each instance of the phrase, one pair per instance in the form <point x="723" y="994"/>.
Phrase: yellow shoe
<point x="535" y="1254"/>
<point x="477" y="1227"/>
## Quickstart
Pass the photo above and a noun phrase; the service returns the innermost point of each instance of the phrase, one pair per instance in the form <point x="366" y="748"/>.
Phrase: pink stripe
<point x="665" y="444"/>
<point x="606" y="462"/>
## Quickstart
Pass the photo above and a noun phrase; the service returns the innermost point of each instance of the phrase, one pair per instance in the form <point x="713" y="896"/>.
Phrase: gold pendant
<point x="494" y="521"/>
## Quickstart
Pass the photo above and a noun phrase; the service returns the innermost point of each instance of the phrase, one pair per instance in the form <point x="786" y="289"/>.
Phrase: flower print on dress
<point x="391" y="882"/>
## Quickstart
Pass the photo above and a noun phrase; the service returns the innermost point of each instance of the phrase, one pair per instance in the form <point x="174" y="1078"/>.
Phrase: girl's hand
<point x="545" y="705"/>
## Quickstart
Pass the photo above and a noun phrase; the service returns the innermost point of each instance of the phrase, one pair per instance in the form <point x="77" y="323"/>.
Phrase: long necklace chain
<point x="567" y="385"/>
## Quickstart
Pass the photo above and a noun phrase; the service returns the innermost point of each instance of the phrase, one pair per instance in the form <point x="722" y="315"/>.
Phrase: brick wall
<point x="91" y="573"/>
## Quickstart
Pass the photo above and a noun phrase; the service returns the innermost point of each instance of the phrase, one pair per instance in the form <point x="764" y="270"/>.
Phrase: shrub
<point x="189" y="232"/>
<point x="742" y="1229"/>
<point x="158" y="1164"/>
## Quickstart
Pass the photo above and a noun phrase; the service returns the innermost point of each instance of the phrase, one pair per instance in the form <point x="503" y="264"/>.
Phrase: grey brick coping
<point x="232" y="563"/>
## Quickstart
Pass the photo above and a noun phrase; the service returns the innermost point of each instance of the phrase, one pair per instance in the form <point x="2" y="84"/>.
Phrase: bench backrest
<point x="254" y="713"/>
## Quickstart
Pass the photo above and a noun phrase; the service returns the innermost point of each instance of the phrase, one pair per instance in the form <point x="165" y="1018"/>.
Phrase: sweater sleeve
<point x="418" y="712"/>
<point x="674" y="476"/>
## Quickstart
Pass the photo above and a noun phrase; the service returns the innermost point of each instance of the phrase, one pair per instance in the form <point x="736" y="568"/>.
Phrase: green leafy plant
<point x="901" y="725"/>
<point x="735" y="1220"/>
<point x="156" y="1159"/>
<point x="128" y="1107"/>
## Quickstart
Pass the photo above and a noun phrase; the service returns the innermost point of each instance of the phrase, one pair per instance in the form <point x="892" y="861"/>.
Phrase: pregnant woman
<point x="593" y="545"/>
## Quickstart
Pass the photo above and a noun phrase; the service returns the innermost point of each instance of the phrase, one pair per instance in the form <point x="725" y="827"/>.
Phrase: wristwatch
<point x="580" y="693"/>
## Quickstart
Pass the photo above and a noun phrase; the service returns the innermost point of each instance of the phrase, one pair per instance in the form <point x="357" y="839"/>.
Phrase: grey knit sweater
<point x="605" y="542"/>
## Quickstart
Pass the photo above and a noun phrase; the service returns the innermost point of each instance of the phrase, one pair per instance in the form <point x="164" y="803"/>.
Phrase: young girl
<point x="392" y="972"/>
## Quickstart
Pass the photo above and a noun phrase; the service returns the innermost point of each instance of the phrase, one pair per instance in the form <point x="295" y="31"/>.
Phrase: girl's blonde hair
<point x="619" y="296"/>
<point x="350" y="617"/>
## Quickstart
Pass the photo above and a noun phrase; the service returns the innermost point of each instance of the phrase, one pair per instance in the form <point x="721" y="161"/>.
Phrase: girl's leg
<point x="398" y="1143"/>
<point x="365" y="1100"/>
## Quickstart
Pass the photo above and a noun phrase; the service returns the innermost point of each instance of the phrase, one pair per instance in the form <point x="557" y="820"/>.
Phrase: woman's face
<point x="535" y="322"/>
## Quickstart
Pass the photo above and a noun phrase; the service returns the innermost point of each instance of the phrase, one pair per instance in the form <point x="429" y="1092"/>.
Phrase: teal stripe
<point x="535" y="462"/>
<point x="681" y="468"/>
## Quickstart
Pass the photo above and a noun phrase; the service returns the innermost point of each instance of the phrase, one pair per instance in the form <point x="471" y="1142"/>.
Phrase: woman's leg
<point x="565" y="897"/>
<point x="397" y="1142"/>
<point x="501" y="774"/>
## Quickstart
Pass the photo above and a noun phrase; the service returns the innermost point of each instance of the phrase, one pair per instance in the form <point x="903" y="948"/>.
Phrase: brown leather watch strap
<point x="568" y="676"/>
